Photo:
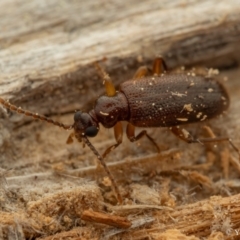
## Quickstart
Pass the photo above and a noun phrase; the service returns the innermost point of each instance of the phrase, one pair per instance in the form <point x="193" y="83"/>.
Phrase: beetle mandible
<point x="164" y="99"/>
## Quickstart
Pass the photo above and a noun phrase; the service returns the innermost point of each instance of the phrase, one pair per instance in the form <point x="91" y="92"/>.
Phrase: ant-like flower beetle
<point x="164" y="99"/>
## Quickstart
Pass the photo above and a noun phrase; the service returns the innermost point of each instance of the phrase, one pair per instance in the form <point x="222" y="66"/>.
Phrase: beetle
<point x="164" y="99"/>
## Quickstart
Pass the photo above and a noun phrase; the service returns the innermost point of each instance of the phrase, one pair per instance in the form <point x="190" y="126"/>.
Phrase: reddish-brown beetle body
<point x="163" y="101"/>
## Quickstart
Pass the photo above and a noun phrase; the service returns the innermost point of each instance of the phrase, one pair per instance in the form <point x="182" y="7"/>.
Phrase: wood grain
<point x="46" y="47"/>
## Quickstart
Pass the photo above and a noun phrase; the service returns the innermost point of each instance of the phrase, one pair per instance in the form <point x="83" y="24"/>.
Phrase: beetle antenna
<point x="33" y="115"/>
<point x="110" y="89"/>
<point x="100" y="158"/>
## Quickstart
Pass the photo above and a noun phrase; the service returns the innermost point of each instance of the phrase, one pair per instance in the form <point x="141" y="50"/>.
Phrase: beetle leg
<point x="159" y="66"/>
<point x="183" y="134"/>
<point x="141" y="72"/>
<point x="118" y="133"/>
<point x="187" y="137"/>
<point x="131" y="135"/>
<point x="110" y="89"/>
<point x="70" y="138"/>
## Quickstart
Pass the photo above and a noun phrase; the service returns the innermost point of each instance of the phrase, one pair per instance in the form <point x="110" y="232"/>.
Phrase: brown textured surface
<point x="47" y="48"/>
<point x="160" y="101"/>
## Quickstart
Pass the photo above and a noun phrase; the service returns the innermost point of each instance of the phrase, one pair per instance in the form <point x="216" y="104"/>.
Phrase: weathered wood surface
<point x="46" y="46"/>
<point x="46" y="54"/>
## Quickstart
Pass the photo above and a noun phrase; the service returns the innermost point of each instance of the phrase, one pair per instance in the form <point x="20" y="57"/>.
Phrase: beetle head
<point x="84" y="125"/>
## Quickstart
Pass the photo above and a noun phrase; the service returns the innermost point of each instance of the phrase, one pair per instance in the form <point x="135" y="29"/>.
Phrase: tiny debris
<point x="203" y="118"/>
<point x="210" y="90"/>
<point x="182" y="119"/>
<point x="104" y="218"/>
<point x="185" y="133"/>
<point x="199" y="115"/>
<point x="145" y="195"/>
<point x="188" y="107"/>
<point x="104" y="114"/>
<point x="178" y="94"/>
<point x="213" y="72"/>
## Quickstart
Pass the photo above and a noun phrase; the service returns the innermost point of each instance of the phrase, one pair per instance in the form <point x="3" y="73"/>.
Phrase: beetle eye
<point x="77" y="116"/>
<point x="91" y="131"/>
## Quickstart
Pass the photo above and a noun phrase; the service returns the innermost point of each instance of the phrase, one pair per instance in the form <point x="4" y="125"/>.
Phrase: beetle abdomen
<point x="173" y="99"/>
